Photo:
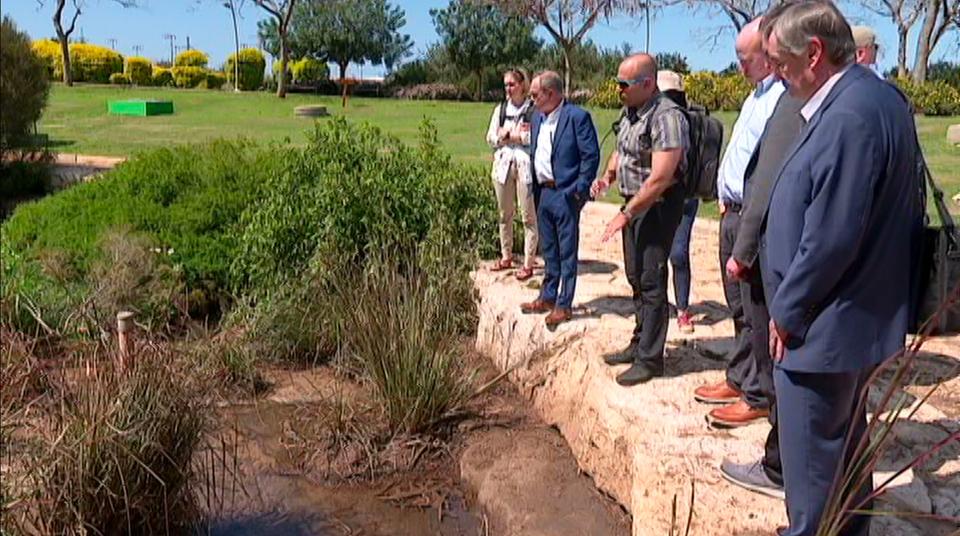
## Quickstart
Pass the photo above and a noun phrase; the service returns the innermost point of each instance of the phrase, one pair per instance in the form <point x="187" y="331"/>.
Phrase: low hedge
<point x="191" y="58"/>
<point x="94" y="63"/>
<point x="139" y="70"/>
<point x="162" y="77"/>
<point x="931" y="98"/>
<point x="49" y="52"/>
<point x="436" y="91"/>
<point x="717" y="92"/>
<point x="188" y="77"/>
<point x="119" y="79"/>
<point x="309" y="71"/>
<point x="214" y="80"/>
<point x="252" y="64"/>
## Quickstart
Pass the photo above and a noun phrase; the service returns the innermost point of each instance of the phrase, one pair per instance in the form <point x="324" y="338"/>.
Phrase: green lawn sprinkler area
<point x="140" y="107"/>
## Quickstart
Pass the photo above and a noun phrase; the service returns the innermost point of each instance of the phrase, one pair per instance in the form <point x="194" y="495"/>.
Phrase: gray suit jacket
<point x="779" y="135"/>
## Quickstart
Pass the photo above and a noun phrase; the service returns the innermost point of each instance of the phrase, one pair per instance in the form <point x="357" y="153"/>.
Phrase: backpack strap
<point x="503" y="112"/>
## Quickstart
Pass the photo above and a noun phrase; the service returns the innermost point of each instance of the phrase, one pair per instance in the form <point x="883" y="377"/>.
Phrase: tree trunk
<point x="282" y="82"/>
<point x="924" y="40"/>
<point x="902" y="51"/>
<point x="65" y="52"/>
<point x="343" y="83"/>
<point x="236" y="46"/>
<point x="479" y="96"/>
<point x="567" y="68"/>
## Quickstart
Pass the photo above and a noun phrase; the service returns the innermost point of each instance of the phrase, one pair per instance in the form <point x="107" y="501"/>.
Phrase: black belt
<point x="549" y="184"/>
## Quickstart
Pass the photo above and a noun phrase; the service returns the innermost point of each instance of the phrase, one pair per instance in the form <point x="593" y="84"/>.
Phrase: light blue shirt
<point x="754" y="113"/>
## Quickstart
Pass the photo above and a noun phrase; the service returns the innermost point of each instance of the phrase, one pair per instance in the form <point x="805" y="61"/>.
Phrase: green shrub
<point x="252" y="64"/>
<point x="119" y="79"/>
<point x="49" y="53"/>
<point x="23" y="88"/>
<point x="93" y="63"/>
<point x="22" y="178"/>
<point x="162" y="77"/>
<point x="188" y="77"/>
<point x="931" y="98"/>
<point x="309" y="71"/>
<point x="191" y="58"/>
<point x="717" y="92"/>
<point x="139" y="70"/>
<point x="214" y="80"/>
<point x="607" y="95"/>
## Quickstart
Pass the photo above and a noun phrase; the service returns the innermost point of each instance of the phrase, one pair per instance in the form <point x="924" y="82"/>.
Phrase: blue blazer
<point x="841" y="224"/>
<point x="576" y="151"/>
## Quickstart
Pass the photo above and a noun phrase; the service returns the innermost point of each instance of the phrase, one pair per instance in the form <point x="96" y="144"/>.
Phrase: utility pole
<point x="646" y="9"/>
<point x="171" y="38"/>
<point x="113" y="43"/>
<point x="188" y="42"/>
<point x="137" y="49"/>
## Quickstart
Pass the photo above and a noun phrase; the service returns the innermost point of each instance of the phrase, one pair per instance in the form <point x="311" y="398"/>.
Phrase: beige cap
<point x="864" y="36"/>
<point x="667" y="80"/>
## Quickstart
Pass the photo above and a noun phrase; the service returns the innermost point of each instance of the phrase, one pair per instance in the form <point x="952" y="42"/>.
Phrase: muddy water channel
<point x="273" y="496"/>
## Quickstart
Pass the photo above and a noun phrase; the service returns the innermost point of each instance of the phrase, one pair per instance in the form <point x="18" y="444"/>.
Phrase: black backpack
<point x="703" y="155"/>
<point x="526" y="117"/>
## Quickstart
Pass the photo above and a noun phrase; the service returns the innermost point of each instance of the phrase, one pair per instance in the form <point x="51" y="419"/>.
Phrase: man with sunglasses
<point x="649" y="162"/>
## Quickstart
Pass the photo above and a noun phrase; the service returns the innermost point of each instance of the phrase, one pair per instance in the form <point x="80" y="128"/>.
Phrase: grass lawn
<point x="77" y="122"/>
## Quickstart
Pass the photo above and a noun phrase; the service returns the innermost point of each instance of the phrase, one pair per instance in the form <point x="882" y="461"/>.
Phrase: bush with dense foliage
<point x="93" y="63"/>
<point x="188" y="77"/>
<point x="139" y="70"/>
<point x="308" y="71"/>
<point x="120" y="79"/>
<point x="931" y="98"/>
<point x="49" y="53"/>
<point x="191" y="58"/>
<point x="607" y="95"/>
<point x="252" y="64"/>
<point x="23" y="87"/>
<point x="162" y="77"/>
<point x="944" y="71"/>
<point x="433" y="92"/>
<point x="214" y="80"/>
<point x="717" y="92"/>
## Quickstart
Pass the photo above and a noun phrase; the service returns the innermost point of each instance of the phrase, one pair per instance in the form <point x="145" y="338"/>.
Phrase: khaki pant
<point x="507" y="195"/>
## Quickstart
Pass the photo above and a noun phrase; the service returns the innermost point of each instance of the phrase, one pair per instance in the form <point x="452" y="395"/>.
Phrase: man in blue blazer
<point x="835" y="252"/>
<point x="565" y="156"/>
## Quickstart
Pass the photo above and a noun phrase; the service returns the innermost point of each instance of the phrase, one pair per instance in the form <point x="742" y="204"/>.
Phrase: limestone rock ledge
<point x="645" y="445"/>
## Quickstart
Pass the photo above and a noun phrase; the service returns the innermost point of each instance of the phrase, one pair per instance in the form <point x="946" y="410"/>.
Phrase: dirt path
<point x="648" y="444"/>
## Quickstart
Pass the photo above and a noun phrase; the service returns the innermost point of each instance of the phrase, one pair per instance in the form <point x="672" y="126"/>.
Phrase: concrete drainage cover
<point x="310" y="111"/>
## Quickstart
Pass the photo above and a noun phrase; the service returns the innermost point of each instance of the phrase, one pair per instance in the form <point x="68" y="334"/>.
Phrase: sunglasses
<point x="624" y="84"/>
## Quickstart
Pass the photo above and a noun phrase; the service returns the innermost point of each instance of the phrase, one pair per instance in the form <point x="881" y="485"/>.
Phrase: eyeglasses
<point x="624" y="84"/>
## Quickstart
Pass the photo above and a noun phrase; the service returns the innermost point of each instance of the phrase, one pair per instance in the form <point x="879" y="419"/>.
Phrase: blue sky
<point x="209" y="28"/>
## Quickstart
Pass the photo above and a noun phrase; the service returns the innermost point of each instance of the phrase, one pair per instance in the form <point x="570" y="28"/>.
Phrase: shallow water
<point x="281" y="502"/>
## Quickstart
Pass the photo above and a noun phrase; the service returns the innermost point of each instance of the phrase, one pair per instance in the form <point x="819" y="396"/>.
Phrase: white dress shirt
<point x="813" y="103"/>
<point x="542" y="157"/>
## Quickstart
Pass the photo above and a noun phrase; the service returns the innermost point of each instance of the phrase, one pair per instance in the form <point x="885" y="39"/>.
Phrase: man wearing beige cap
<point x="865" y="40"/>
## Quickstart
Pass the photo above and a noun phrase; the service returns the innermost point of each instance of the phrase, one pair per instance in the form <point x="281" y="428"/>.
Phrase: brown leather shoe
<point x="558" y="316"/>
<point x="536" y="306"/>
<point x="737" y="414"/>
<point x="719" y="393"/>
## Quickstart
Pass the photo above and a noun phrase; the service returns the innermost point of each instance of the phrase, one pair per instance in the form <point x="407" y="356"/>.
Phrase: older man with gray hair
<point x="844" y="211"/>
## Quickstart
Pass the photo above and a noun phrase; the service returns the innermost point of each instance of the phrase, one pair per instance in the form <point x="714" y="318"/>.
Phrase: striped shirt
<point x="659" y="125"/>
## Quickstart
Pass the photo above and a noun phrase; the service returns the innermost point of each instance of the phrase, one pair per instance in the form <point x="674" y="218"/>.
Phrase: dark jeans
<point x="817" y="412"/>
<point x="680" y="254"/>
<point x="646" y="246"/>
<point x="739" y="359"/>
<point x="761" y="369"/>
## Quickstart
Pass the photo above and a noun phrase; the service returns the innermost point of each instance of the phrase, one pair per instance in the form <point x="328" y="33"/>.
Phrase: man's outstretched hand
<point x="614" y="226"/>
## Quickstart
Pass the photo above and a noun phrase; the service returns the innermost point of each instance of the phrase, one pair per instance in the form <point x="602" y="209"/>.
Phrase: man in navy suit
<point x="565" y="159"/>
<point x="835" y="252"/>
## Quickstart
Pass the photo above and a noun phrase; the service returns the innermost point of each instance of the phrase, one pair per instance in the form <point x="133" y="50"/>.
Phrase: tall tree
<point x="568" y="21"/>
<point x="736" y="12"/>
<point x="282" y="13"/>
<point x="904" y="14"/>
<point x="349" y="31"/>
<point x="476" y="36"/>
<point x="939" y="18"/>
<point x="63" y="34"/>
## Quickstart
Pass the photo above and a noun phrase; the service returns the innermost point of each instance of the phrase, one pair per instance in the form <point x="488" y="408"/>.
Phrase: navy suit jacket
<point x="576" y="151"/>
<point x="842" y="218"/>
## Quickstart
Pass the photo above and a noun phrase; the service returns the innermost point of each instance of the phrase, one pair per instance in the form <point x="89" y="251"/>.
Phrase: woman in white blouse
<point x="509" y="136"/>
